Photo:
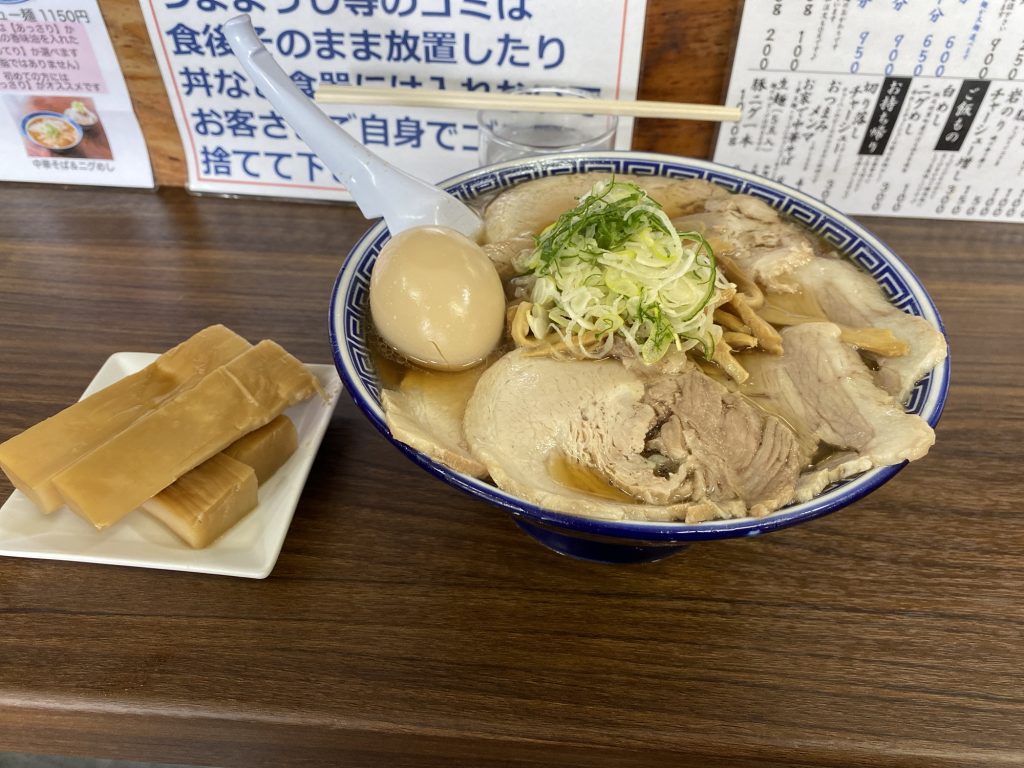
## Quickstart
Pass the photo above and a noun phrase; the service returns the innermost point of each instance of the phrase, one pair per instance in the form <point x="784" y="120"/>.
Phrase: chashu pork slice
<point x="675" y="447"/>
<point x="506" y="254"/>
<point x="528" y="208"/>
<point x="764" y="245"/>
<point x="426" y="412"/>
<point x="822" y="388"/>
<point x="851" y="298"/>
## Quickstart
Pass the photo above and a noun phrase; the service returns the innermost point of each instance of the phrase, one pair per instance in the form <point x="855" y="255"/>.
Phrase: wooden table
<point x="409" y="625"/>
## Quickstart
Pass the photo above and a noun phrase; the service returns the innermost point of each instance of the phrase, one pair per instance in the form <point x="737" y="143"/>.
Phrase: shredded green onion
<point x="615" y="264"/>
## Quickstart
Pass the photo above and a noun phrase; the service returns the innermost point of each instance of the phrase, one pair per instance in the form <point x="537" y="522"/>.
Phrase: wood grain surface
<point x="407" y="624"/>
<point x="687" y="54"/>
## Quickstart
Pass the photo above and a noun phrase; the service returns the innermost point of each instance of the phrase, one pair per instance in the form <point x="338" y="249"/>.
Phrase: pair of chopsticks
<point x="406" y="97"/>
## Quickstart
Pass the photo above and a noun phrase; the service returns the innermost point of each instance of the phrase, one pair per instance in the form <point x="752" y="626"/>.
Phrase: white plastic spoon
<point x="378" y="188"/>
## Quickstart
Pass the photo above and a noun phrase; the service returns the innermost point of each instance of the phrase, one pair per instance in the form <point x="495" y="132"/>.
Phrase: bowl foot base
<point x="597" y="551"/>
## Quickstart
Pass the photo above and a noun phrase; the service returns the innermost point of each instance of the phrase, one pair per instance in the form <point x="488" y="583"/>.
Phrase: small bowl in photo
<point x="81" y="115"/>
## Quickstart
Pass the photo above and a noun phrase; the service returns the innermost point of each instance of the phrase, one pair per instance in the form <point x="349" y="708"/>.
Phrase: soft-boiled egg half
<point x="437" y="299"/>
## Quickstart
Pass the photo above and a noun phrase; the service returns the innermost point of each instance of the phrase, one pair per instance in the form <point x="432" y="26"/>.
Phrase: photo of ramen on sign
<point x="59" y="126"/>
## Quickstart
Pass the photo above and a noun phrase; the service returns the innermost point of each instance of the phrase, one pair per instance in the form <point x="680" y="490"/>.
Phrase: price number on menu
<point x="766" y="49"/>
<point x="894" y="53"/>
<point x="1018" y="60"/>
<point x="66" y="16"/>
<point x="798" y="51"/>
<point x="989" y="58"/>
<point x="945" y="55"/>
<point x="858" y="52"/>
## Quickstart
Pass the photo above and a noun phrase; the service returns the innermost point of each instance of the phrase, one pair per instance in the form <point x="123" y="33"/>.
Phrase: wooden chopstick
<point x="407" y="97"/>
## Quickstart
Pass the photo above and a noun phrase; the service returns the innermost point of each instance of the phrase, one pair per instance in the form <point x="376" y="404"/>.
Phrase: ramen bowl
<point x="634" y="541"/>
<point x="51" y="130"/>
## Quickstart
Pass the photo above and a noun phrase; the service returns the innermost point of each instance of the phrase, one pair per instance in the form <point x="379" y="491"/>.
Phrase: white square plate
<point x="250" y="549"/>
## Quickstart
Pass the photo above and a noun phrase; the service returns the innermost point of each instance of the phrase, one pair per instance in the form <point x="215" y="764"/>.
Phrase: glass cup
<point x="506" y="135"/>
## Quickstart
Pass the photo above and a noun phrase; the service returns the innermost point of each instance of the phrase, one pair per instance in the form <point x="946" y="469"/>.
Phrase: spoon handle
<point x="345" y="157"/>
<point x="378" y="188"/>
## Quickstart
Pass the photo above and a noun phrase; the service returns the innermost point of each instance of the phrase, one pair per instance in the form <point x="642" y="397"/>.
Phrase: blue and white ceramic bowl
<point x="71" y="124"/>
<point x="630" y="541"/>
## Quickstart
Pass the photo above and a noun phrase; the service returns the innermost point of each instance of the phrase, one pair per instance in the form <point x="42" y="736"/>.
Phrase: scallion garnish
<point x="616" y="264"/>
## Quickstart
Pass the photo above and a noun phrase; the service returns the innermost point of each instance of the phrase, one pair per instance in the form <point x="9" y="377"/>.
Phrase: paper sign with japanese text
<point x="65" y="113"/>
<point x="236" y="143"/>
<point x="884" y="107"/>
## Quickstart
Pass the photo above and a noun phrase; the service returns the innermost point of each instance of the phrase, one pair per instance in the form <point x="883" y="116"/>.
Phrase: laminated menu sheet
<point x="65" y="113"/>
<point x="235" y="142"/>
<point x="884" y="107"/>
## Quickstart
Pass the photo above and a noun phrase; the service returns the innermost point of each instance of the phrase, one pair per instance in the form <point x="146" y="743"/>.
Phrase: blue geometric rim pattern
<point x="349" y="309"/>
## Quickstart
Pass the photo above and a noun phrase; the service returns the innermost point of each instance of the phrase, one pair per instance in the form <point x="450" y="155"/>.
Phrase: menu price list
<point x="885" y="108"/>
